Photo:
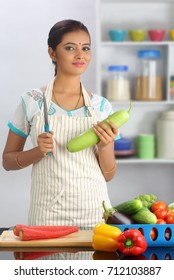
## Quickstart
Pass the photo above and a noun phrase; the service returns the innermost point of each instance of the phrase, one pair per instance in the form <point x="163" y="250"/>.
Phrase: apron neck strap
<point x="48" y="92"/>
<point x="90" y="110"/>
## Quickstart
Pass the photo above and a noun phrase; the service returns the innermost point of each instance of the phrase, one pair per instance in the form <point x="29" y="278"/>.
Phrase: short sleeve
<point x="24" y="115"/>
<point x="19" y="123"/>
<point x="106" y="106"/>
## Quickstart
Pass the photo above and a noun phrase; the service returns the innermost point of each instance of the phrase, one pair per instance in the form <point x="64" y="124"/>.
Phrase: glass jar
<point x="165" y="135"/>
<point x="118" y="87"/>
<point x="172" y="87"/>
<point x="148" y="81"/>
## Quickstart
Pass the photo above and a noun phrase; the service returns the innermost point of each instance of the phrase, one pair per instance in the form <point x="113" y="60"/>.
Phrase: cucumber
<point x="144" y="216"/>
<point x="89" y="138"/>
<point x="129" y="207"/>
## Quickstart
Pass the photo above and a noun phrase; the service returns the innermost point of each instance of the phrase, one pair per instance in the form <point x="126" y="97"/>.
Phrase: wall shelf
<point x="136" y="176"/>
<point x="144" y="161"/>
<point x="144" y="103"/>
<point x="129" y="43"/>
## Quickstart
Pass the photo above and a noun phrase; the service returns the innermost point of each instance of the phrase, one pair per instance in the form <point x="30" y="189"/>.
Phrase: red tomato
<point x="153" y="233"/>
<point x="158" y="205"/>
<point x="170" y="218"/>
<point x="160" y="221"/>
<point x="161" y="213"/>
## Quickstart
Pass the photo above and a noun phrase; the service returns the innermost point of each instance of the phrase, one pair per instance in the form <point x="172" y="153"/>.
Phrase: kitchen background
<point x="25" y="63"/>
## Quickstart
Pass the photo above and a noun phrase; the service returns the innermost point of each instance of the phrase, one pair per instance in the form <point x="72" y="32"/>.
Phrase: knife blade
<point x="46" y="123"/>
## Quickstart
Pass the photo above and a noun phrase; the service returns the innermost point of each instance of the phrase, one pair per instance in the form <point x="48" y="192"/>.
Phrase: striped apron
<point x="67" y="188"/>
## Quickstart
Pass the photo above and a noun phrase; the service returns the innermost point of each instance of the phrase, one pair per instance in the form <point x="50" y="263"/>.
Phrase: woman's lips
<point x="79" y="64"/>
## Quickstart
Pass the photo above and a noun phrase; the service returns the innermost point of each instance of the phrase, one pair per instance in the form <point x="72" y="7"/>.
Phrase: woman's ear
<point x="52" y="54"/>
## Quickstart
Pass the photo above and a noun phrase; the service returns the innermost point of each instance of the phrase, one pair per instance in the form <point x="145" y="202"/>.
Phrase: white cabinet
<point x="127" y="15"/>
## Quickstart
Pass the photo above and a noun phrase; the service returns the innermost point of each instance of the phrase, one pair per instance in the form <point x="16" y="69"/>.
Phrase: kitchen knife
<point x="46" y="125"/>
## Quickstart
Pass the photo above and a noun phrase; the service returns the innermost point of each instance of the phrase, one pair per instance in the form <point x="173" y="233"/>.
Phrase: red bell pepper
<point x="131" y="242"/>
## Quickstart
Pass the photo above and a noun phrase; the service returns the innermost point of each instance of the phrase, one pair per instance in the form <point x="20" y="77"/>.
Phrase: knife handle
<point x="47" y="129"/>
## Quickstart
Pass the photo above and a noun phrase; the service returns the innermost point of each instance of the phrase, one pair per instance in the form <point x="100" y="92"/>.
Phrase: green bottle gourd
<point x="89" y="138"/>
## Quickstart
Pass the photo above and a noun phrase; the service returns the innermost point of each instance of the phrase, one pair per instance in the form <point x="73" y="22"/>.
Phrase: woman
<point x="67" y="188"/>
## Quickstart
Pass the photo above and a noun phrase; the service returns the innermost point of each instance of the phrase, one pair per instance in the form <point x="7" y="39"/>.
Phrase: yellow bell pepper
<point x="105" y="237"/>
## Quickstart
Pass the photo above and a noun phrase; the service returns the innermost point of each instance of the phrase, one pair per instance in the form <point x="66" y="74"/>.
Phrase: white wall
<point x="24" y="63"/>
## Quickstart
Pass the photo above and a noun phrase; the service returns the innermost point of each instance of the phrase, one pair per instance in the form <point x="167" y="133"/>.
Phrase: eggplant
<point x="112" y="216"/>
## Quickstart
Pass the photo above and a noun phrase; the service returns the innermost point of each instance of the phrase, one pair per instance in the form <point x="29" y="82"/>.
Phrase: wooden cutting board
<point x="82" y="238"/>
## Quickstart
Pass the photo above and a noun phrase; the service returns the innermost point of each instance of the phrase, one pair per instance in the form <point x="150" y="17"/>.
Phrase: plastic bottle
<point x="146" y="146"/>
<point x="148" y="81"/>
<point x="118" y="86"/>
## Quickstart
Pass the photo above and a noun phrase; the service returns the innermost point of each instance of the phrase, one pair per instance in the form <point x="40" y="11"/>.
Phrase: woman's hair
<point x="58" y="30"/>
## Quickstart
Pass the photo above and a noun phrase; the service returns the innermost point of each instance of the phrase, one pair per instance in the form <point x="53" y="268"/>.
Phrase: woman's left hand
<point x="105" y="134"/>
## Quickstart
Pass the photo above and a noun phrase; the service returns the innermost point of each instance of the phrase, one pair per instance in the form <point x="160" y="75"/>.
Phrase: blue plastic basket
<point x="161" y="230"/>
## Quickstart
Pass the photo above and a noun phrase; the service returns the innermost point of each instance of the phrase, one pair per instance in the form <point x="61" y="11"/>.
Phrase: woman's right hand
<point x="45" y="142"/>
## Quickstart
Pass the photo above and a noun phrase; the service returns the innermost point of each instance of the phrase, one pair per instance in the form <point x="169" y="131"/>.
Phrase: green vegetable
<point x="144" y="216"/>
<point x="112" y="216"/>
<point x="171" y="205"/>
<point x="147" y="199"/>
<point x="129" y="207"/>
<point x="89" y="138"/>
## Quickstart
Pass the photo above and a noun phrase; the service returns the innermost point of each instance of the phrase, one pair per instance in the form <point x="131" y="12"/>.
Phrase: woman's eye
<point x="86" y="49"/>
<point x="73" y="48"/>
<point x="69" y="48"/>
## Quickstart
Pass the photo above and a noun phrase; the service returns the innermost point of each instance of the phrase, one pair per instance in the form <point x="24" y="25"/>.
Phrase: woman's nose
<point x="79" y="54"/>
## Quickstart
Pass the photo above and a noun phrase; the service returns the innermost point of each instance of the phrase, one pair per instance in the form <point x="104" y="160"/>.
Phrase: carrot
<point x="18" y="227"/>
<point x="26" y="234"/>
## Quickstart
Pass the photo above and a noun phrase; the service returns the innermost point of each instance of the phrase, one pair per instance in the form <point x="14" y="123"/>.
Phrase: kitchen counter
<point x="77" y="245"/>
<point x="78" y="253"/>
<point x="81" y="254"/>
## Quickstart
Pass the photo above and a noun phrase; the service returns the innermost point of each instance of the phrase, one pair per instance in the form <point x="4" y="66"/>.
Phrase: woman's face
<point x="73" y="54"/>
